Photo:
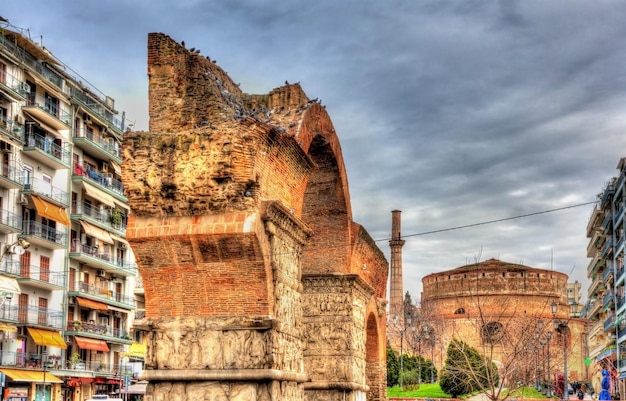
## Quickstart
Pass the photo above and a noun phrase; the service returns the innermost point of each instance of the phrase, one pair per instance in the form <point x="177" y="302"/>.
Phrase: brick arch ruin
<point x="258" y="284"/>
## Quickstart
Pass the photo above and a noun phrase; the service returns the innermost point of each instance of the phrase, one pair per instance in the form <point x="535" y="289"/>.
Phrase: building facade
<point x="606" y="306"/>
<point x="485" y="303"/>
<point x="66" y="271"/>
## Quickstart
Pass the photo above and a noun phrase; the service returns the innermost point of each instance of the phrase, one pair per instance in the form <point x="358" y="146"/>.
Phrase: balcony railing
<point x="101" y="178"/>
<point x="18" y="87"/>
<point x="33" y="361"/>
<point x="607" y="299"/>
<point x="103" y="255"/>
<point x="609" y="323"/>
<point x="101" y="215"/>
<point x="106" y="294"/>
<point x="57" y="236"/>
<point x="97" y="108"/>
<point x="46" y="189"/>
<point x="12" y="129"/>
<point x="61" y="152"/>
<point x="607" y="249"/>
<point x="43" y="275"/>
<point x="10" y="219"/>
<point x="33" y="315"/>
<point x="12" y="172"/>
<point x="51" y="108"/>
<point x="106" y="144"/>
<point x="618" y="215"/>
<point x="91" y="327"/>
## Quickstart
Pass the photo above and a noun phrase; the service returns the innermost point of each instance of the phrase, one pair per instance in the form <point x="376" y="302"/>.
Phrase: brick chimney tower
<point x="396" y="297"/>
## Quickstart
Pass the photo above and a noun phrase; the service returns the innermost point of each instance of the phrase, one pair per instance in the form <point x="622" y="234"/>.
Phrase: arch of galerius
<point x="258" y="284"/>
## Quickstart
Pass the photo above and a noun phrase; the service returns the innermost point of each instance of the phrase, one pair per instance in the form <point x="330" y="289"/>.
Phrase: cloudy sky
<point x="454" y="112"/>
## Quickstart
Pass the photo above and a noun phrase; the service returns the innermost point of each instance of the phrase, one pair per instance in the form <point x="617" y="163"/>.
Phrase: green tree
<point x="465" y="370"/>
<point x="393" y="367"/>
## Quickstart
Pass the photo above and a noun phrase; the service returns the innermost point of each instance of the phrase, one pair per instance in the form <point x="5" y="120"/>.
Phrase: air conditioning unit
<point x="101" y="273"/>
<point x="104" y="167"/>
<point x="87" y="118"/>
<point x="123" y="246"/>
<point x="6" y="147"/>
<point x="19" y="119"/>
<point x="24" y="87"/>
<point x="22" y="199"/>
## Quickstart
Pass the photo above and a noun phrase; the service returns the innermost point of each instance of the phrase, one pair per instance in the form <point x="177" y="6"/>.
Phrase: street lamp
<point x="561" y="327"/>
<point x="395" y="322"/>
<point x="548" y="337"/>
<point x="44" y="354"/>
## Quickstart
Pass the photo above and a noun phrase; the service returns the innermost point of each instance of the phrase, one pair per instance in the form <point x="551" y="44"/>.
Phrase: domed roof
<point x="491" y="264"/>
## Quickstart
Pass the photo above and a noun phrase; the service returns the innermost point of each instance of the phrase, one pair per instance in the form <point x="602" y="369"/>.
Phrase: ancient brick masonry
<point x="259" y="286"/>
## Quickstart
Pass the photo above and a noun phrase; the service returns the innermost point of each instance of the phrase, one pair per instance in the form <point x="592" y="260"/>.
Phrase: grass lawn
<point x="426" y="390"/>
<point x="433" y="390"/>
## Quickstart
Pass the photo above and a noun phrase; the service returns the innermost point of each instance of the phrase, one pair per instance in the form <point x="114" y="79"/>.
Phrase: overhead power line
<point x="493" y="221"/>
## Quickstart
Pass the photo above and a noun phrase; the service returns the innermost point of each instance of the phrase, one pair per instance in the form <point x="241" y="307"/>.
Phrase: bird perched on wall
<point x="286" y="82"/>
<point x="192" y="49"/>
<point x="182" y="43"/>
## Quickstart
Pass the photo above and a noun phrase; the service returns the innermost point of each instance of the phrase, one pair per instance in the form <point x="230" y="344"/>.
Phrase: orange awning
<point x="47" y="337"/>
<point x="33" y="376"/>
<point x="51" y="211"/>
<point x="88" y="303"/>
<point x="92" y="344"/>
<point x="96" y="232"/>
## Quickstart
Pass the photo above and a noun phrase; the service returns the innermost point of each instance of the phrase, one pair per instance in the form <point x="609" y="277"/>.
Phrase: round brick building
<point x="500" y="308"/>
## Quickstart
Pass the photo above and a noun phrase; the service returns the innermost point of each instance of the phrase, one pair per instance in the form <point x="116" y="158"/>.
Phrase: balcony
<point x="607" y="223"/>
<point x="48" y="112"/>
<point x="97" y="145"/>
<point x="40" y="187"/>
<point x="102" y="179"/>
<point x="12" y="129"/>
<point x="607" y="300"/>
<point x="607" y="249"/>
<point x="33" y="315"/>
<point x="595" y="263"/>
<point x="13" y="87"/>
<point x="103" y="294"/>
<point x="609" y="324"/>
<point x="49" y="237"/>
<point x="608" y="273"/>
<point x="92" y="329"/>
<point x="595" y="243"/>
<point x="595" y="287"/>
<point x="39" y="277"/>
<point x="103" y="258"/>
<point x="607" y="194"/>
<point x="43" y="149"/>
<point x="11" y="175"/>
<point x="97" y="108"/>
<point x="31" y="360"/>
<point x="618" y="215"/>
<point x="10" y="222"/>
<point x="596" y="218"/>
<point x="99" y="216"/>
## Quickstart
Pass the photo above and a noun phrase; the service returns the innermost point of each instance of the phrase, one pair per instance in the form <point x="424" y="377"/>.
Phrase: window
<point x="492" y="332"/>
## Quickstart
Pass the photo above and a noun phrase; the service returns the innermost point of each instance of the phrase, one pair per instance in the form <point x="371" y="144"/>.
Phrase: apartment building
<point x="606" y="307"/>
<point x="67" y="275"/>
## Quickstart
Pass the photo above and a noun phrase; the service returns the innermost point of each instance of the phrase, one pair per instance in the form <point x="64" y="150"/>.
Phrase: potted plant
<point x="116" y="217"/>
<point x="74" y="360"/>
<point x="78" y="325"/>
